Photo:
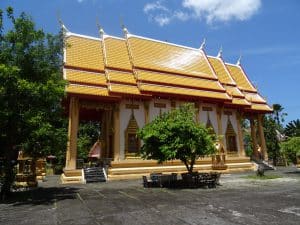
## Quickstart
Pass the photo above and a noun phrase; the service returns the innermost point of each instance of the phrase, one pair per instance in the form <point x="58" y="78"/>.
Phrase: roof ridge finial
<point x="124" y="29"/>
<point x="203" y="44"/>
<point x="220" y="53"/>
<point x="62" y="25"/>
<point x="239" y="60"/>
<point x="100" y="29"/>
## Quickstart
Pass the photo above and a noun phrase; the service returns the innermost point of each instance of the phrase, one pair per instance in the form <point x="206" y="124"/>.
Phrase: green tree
<point x="31" y="89"/>
<point x="278" y="115"/>
<point x="291" y="149"/>
<point x="273" y="128"/>
<point x="292" y="129"/>
<point x="175" y="135"/>
<point x="88" y="134"/>
<point x="272" y="142"/>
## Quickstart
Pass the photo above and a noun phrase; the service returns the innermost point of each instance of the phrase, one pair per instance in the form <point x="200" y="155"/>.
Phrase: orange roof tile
<point x="254" y="97"/>
<point x="172" y="79"/>
<point x="240" y="101"/>
<point x="80" y="76"/>
<point x="122" y="77"/>
<point x="161" y="56"/>
<point x="182" y="91"/>
<point x="116" y="53"/>
<point x="125" y="89"/>
<point x="159" y="67"/>
<point x="234" y="91"/>
<point x="84" y="53"/>
<point x="220" y="70"/>
<point x="240" y="78"/>
<point x="261" y="107"/>
<point x="86" y="90"/>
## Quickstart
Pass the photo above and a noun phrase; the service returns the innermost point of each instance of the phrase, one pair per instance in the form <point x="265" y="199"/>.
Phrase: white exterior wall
<point x="154" y="111"/>
<point x="212" y="115"/>
<point x="125" y="114"/>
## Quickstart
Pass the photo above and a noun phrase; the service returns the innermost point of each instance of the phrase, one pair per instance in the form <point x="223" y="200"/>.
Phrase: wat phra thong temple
<point x="125" y="82"/>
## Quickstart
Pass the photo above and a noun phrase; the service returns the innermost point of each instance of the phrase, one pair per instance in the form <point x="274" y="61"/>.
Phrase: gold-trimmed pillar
<point x="253" y="137"/>
<point x="262" y="136"/>
<point x="116" y="132"/>
<point x="71" y="154"/>
<point x="240" y="134"/>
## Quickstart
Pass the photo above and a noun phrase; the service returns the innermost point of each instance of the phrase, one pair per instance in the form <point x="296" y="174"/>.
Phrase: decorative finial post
<point x="220" y="52"/>
<point x="239" y="60"/>
<point x="63" y="27"/>
<point x="124" y="29"/>
<point x="203" y="44"/>
<point x="100" y="29"/>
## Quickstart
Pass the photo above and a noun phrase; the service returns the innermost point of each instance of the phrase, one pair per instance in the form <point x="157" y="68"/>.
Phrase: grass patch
<point x="265" y="177"/>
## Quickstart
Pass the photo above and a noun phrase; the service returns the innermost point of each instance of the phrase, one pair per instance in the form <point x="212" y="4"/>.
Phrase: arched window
<point x="132" y="142"/>
<point x="209" y="126"/>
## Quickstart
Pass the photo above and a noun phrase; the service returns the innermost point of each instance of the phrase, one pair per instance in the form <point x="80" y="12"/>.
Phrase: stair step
<point x="94" y="174"/>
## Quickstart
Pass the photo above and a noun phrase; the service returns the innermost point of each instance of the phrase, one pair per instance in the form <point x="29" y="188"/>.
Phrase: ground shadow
<point x="41" y="196"/>
<point x="293" y="172"/>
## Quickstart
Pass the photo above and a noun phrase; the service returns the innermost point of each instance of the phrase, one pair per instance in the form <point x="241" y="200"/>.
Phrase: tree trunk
<point x="9" y="173"/>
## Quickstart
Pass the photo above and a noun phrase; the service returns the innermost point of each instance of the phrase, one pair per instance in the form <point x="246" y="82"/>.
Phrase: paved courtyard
<point x="237" y="201"/>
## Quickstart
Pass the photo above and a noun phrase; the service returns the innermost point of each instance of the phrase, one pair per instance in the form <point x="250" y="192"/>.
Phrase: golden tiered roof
<point x="116" y="53"/>
<point x="170" y="58"/>
<point x="138" y="67"/>
<point x="84" y="53"/>
<point x="238" y="98"/>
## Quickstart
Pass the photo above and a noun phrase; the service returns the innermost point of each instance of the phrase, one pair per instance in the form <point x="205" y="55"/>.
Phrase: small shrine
<point x="26" y="176"/>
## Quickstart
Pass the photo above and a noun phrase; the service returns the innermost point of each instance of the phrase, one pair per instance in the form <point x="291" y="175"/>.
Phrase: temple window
<point x="209" y="126"/>
<point x="230" y="138"/>
<point x="132" y="142"/>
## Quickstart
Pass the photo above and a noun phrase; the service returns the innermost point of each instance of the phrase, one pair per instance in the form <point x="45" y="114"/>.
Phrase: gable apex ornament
<point x="100" y="29"/>
<point x="239" y="60"/>
<point x="63" y="27"/>
<point x="203" y="44"/>
<point x="220" y="53"/>
<point x="124" y="29"/>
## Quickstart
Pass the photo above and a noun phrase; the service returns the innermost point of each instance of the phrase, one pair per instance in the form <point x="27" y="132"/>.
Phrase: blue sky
<point x="265" y="32"/>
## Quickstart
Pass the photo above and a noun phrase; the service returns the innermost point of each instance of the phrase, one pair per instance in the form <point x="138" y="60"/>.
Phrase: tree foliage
<point x="88" y="134"/>
<point x="175" y="135"/>
<point x="292" y="129"/>
<point x="31" y="89"/>
<point x="272" y="142"/>
<point x="273" y="127"/>
<point x="291" y="149"/>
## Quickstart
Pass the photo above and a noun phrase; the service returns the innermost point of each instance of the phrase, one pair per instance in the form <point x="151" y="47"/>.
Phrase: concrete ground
<point x="237" y="201"/>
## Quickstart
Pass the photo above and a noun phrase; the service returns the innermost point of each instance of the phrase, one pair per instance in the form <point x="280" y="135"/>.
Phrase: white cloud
<point x="220" y="10"/>
<point x="181" y="15"/>
<point x="162" y="20"/>
<point x="154" y="6"/>
<point x="209" y="10"/>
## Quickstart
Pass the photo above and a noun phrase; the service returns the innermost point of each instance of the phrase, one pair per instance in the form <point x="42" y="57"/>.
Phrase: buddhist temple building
<point x="125" y="82"/>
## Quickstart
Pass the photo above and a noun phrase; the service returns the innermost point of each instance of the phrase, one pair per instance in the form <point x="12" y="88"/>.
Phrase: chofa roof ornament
<point x="100" y="29"/>
<point x="124" y="29"/>
<point x="63" y="27"/>
<point x="239" y="60"/>
<point x="203" y="44"/>
<point x="220" y="53"/>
